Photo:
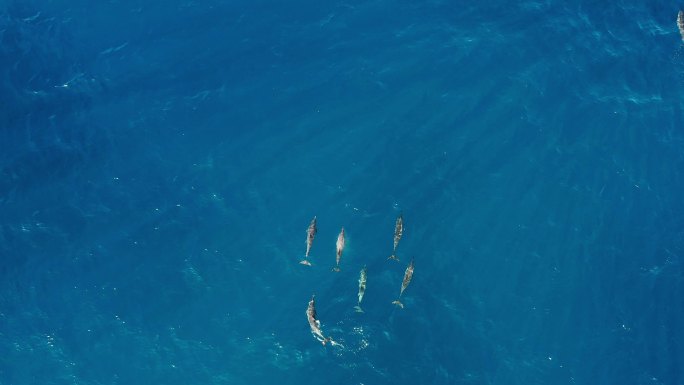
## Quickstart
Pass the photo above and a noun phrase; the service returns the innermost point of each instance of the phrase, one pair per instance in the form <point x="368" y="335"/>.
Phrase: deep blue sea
<point x="160" y="162"/>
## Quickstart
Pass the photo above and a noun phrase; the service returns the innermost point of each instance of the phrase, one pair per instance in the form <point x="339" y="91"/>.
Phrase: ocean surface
<point x="160" y="162"/>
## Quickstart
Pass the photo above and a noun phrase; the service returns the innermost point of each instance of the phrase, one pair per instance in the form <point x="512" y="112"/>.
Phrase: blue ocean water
<point x="160" y="162"/>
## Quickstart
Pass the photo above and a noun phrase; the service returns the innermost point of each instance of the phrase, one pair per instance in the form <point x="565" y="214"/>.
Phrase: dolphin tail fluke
<point x="305" y="262"/>
<point x="393" y="257"/>
<point x="358" y="309"/>
<point x="336" y="269"/>
<point x="398" y="303"/>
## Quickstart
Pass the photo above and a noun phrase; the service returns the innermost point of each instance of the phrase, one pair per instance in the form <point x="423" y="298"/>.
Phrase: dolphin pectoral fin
<point x="398" y="303"/>
<point x="305" y="262"/>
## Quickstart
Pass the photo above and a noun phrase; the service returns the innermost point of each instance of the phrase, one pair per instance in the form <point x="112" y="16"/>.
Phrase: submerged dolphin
<point x="362" y="289"/>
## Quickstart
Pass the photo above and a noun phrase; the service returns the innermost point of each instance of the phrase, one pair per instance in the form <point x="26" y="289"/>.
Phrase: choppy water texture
<point x="160" y="163"/>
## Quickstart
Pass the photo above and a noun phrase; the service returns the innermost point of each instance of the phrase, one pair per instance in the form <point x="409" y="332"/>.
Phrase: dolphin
<point x="310" y="234"/>
<point x="315" y="324"/>
<point x="340" y="249"/>
<point x="408" y="274"/>
<point x="398" y="231"/>
<point x="362" y="289"/>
